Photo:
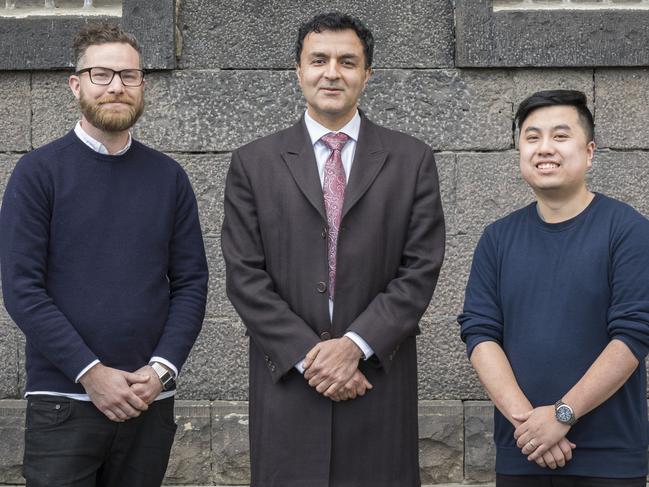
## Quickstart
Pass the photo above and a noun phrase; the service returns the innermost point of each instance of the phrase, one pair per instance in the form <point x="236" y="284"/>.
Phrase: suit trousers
<point x="566" y="481"/>
<point x="70" y="443"/>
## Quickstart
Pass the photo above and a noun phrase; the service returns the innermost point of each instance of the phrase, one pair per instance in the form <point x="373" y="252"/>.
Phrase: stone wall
<point x="233" y="83"/>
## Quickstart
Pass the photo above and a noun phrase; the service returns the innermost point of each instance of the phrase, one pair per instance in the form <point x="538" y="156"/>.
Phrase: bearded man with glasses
<point x="104" y="270"/>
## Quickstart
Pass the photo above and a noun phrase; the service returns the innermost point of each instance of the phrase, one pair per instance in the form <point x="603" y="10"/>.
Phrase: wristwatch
<point x="564" y="413"/>
<point x="166" y="377"/>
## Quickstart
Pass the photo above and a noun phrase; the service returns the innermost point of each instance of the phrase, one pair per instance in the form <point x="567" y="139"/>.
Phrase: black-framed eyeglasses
<point x="104" y="76"/>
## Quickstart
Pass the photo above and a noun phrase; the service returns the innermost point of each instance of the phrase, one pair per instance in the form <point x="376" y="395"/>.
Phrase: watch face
<point x="564" y="413"/>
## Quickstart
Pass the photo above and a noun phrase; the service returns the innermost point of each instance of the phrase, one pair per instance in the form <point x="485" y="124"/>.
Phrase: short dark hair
<point x="550" y="98"/>
<point x="100" y="33"/>
<point x="336" y="21"/>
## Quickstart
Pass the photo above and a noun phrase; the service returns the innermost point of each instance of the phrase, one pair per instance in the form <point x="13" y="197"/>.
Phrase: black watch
<point x="166" y="378"/>
<point x="564" y="413"/>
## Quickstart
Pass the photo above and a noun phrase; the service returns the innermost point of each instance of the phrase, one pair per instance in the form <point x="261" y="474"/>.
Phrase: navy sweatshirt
<point x="102" y="258"/>
<point x="553" y="296"/>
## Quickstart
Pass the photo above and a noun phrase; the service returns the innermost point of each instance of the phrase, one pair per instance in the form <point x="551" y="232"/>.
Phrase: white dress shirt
<point x="322" y="152"/>
<point x="97" y="146"/>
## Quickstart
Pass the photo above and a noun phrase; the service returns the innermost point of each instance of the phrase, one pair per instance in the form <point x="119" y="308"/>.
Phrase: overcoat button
<point x="324" y="232"/>
<point x="325" y="335"/>
<point x="321" y="287"/>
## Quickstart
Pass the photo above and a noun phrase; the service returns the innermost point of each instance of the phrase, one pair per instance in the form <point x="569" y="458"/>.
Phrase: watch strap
<point x="166" y="377"/>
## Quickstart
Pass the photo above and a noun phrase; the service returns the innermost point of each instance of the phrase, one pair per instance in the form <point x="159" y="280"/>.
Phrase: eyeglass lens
<point x="104" y="76"/>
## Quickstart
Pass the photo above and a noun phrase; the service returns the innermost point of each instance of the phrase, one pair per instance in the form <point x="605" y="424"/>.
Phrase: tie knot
<point x="335" y="141"/>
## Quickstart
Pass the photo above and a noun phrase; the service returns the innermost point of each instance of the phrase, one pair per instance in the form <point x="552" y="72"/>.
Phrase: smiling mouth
<point x="547" y="165"/>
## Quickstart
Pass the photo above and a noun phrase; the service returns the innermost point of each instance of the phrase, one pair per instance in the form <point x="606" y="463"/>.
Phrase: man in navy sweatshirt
<point x="556" y="315"/>
<point x="104" y="270"/>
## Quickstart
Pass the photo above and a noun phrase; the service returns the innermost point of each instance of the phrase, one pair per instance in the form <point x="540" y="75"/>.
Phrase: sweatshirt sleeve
<point x="24" y="242"/>
<point x="188" y="275"/>
<point x="481" y="319"/>
<point x="628" y="312"/>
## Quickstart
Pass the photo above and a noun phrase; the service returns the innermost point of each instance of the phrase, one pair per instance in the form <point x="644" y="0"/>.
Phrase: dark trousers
<point x="566" y="481"/>
<point x="70" y="443"/>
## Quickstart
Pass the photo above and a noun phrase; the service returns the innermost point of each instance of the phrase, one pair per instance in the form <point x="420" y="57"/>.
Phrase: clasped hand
<point x="121" y="395"/>
<point x="542" y="438"/>
<point x="331" y="367"/>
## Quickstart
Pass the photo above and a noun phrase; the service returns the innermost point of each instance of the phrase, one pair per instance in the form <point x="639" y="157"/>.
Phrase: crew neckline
<point x="566" y="224"/>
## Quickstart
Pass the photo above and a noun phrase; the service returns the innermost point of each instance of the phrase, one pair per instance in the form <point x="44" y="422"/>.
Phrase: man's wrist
<point x="564" y="413"/>
<point x="164" y="375"/>
<point x="356" y="350"/>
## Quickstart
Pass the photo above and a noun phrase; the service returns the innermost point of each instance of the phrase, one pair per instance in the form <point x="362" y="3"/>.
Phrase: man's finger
<point x="133" y="378"/>
<point x="549" y="460"/>
<point x="311" y="355"/>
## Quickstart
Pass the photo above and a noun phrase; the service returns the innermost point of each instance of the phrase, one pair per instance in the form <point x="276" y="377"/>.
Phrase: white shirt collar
<point x="317" y="130"/>
<point x="97" y="146"/>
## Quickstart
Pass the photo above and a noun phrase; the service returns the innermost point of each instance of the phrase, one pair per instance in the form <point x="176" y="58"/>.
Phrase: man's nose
<point x="116" y="85"/>
<point x="332" y="70"/>
<point x="546" y="146"/>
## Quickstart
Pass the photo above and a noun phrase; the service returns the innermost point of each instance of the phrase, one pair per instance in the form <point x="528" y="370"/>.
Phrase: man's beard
<point x="110" y="120"/>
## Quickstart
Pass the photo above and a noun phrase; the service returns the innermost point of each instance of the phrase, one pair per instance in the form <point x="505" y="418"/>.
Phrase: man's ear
<point x="298" y="72"/>
<point x="368" y="73"/>
<point x="75" y="85"/>
<point x="590" y="148"/>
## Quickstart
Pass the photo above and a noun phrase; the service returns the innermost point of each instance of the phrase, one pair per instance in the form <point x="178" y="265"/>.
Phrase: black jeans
<point x="565" y="481"/>
<point x="70" y="443"/>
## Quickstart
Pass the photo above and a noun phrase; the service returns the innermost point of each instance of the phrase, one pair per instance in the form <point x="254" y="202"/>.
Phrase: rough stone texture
<point x="548" y="38"/>
<point x="217" y="300"/>
<point x="12" y="421"/>
<point x="55" y="110"/>
<point x="622" y="108"/>
<point x="479" y="448"/>
<point x="207" y="174"/>
<point x="441" y="444"/>
<point x="447" y="169"/>
<point x="217" y="367"/>
<point x="202" y="111"/>
<point x="244" y="34"/>
<point x="528" y="81"/>
<point x="7" y="163"/>
<point x="489" y="187"/>
<point x="449" y="293"/>
<point x="622" y="175"/>
<point x="230" y="449"/>
<point x="46" y="42"/>
<point x="444" y="370"/>
<point x="190" y="456"/>
<point x="10" y="361"/>
<point x="15" y="111"/>
<point x="449" y="109"/>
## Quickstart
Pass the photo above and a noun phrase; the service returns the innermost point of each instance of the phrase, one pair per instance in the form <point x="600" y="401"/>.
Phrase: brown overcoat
<point x="390" y="250"/>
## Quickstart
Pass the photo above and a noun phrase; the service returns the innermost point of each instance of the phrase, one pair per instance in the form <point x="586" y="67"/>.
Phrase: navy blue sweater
<point x="553" y="296"/>
<point x="102" y="258"/>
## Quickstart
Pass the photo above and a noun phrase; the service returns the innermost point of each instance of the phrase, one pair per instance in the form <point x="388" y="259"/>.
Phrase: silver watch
<point x="166" y="377"/>
<point x="564" y="413"/>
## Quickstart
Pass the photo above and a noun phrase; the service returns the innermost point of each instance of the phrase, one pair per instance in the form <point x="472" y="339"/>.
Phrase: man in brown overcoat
<point x="333" y="240"/>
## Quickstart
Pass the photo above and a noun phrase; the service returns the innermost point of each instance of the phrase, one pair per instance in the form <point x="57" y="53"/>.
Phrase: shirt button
<point x="321" y="287"/>
<point x="325" y="335"/>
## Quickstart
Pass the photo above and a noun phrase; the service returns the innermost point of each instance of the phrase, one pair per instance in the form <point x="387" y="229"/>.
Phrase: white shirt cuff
<point x="165" y="362"/>
<point x="300" y="366"/>
<point x="86" y="369"/>
<point x="360" y="343"/>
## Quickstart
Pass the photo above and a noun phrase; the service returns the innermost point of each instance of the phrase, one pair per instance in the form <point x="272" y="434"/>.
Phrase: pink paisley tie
<point x="334" y="194"/>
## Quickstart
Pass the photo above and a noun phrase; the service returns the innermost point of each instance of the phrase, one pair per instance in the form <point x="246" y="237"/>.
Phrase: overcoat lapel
<point x="368" y="161"/>
<point x="300" y="160"/>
